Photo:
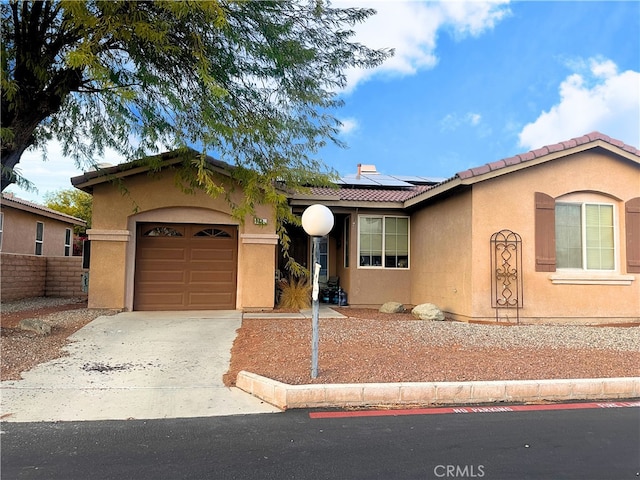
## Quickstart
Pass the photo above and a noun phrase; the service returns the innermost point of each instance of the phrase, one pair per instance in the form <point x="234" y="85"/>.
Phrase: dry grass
<point x="295" y="293"/>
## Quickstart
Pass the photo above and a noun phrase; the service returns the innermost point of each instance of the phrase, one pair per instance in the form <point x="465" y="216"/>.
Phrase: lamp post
<point x="317" y="221"/>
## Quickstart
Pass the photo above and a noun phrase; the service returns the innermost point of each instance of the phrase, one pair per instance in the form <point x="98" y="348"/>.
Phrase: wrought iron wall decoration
<point x="506" y="268"/>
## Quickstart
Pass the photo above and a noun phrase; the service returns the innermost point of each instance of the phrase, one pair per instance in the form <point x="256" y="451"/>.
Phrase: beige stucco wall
<point x="19" y="233"/>
<point x="507" y="202"/>
<point x="157" y="199"/>
<point x="441" y="262"/>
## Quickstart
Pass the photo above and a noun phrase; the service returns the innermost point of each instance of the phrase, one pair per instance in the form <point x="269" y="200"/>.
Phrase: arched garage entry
<point x="185" y="267"/>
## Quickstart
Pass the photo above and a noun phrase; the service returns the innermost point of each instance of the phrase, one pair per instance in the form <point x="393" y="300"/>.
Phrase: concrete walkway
<point x="136" y="365"/>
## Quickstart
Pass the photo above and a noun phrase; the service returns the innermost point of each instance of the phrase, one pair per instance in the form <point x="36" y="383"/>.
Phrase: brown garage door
<point x="185" y="267"/>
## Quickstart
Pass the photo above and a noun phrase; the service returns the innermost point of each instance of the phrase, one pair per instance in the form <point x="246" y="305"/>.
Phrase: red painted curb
<point x="478" y="409"/>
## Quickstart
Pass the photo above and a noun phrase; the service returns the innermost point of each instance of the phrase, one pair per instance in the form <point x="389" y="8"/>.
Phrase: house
<point x="551" y="235"/>
<point x="155" y="247"/>
<point x="36" y="251"/>
<point x="32" y="229"/>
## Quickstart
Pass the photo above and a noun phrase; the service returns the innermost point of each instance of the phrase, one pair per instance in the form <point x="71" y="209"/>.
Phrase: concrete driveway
<point x="136" y="365"/>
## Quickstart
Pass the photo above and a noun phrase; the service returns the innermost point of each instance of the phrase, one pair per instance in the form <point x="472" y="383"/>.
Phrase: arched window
<point x="212" y="232"/>
<point x="162" y="232"/>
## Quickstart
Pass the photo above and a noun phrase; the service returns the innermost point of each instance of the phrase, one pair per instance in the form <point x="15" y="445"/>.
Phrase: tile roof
<point x="541" y="152"/>
<point x="369" y="194"/>
<point x="467" y="176"/>
<point x="402" y="194"/>
<point x="12" y="201"/>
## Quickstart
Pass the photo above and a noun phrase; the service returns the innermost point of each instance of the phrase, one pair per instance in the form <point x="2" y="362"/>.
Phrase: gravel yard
<point x="368" y="346"/>
<point x="373" y="347"/>
<point x="23" y="350"/>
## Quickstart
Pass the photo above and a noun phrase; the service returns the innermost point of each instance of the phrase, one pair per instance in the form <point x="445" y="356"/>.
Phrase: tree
<point x="72" y="202"/>
<point x="254" y="83"/>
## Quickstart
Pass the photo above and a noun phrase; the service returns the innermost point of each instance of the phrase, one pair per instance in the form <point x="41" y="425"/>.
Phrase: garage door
<point x="185" y="267"/>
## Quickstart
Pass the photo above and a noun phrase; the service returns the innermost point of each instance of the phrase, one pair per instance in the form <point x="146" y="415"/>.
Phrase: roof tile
<point x="497" y="165"/>
<point x="582" y="140"/>
<point x="630" y="149"/>
<point x="512" y="160"/>
<point x="45" y="210"/>
<point x="569" y="144"/>
<point x="370" y="194"/>
<point x="525" y="157"/>
<point x="593" y="136"/>
<point x="480" y="170"/>
<point x="465" y="174"/>
<point x="540" y="152"/>
<point x="556" y="147"/>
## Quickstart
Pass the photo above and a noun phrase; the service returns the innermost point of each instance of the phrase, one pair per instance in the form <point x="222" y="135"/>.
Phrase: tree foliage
<point x="72" y="202"/>
<point x="253" y="83"/>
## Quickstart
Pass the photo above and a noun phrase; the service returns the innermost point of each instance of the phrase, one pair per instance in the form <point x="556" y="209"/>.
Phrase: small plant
<point x="295" y="293"/>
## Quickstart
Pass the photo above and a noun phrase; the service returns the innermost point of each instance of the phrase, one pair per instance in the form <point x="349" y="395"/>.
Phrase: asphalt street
<point x="583" y="444"/>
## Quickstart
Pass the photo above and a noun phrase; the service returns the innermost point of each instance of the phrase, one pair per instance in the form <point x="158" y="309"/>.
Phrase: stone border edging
<point x="286" y="396"/>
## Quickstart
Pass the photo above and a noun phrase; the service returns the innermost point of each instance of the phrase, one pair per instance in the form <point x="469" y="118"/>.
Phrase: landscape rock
<point x="392" y="307"/>
<point x="35" y="325"/>
<point x="427" y="311"/>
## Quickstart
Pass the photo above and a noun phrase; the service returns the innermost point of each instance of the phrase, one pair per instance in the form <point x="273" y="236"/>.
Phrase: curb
<point x="287" y="396"/>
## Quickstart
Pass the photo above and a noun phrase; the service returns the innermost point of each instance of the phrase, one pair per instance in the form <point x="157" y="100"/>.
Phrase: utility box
<point x="85" y="282"/>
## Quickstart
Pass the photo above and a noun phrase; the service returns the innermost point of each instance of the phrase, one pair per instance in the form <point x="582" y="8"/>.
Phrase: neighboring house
<point x="551" y="235"/>
<point x="32" y="229"/>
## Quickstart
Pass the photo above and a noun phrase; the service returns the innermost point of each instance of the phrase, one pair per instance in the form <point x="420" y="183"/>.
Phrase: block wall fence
<point x="27" y="276"/>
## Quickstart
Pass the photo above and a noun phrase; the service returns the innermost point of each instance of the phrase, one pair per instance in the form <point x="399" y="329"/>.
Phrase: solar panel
<point x="390" y="181"/>
<point x="373" y="180"/>
<point x="358" y="180"/>
<point x="416" y="179"/>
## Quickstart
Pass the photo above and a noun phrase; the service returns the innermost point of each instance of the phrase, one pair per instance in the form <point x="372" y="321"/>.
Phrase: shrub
<point x="295" y="293"/>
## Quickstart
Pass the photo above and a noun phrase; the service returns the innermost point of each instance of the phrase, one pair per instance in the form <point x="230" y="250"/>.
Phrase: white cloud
<point x="411" y="28"/>
<point x="453" y="121"/>
<point x="52" y="174"/>
<point x="348" y="125"/>
<point x="597" y="98"/>
<point x="473" y="118"/>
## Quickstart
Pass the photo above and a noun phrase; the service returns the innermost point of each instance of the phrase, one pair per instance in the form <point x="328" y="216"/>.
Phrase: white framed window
<point x="39" y="237"/>
<point x="383" y="241"/>
<point x="67" y="242"/>
<point x="585" y="236"/>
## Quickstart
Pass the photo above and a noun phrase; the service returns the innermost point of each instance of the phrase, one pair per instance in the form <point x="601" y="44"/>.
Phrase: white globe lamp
<point x="317" y="221"/>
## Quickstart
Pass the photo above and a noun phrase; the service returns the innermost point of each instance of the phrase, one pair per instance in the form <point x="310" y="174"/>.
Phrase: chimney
<point x="367" y="169"/>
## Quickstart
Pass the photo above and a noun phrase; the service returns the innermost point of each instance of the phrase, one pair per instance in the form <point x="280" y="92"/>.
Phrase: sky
<point x="470" y="83"/>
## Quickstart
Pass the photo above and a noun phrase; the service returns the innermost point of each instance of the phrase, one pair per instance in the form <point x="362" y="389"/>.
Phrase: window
<point x="585" y="236"/>
<point x="67" y="242"/>
<point x="383" y="242"/>
<point x="212" y="232"/>
<point x="323" y="258"/>
<point x="39" y="237"/>
<point x="162" y="232"/>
